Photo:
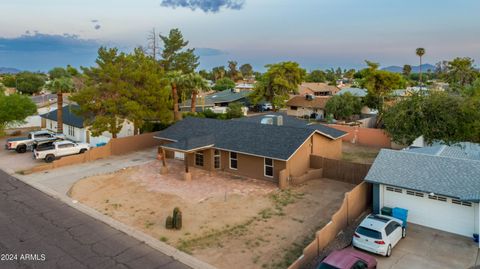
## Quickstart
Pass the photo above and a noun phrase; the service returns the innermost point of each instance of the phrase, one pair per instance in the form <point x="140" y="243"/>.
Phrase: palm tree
<point x="60" y="86"/>
<point x="195" y="83"/>
<point x="420" y="52"/>
<point x="175" y="79"/>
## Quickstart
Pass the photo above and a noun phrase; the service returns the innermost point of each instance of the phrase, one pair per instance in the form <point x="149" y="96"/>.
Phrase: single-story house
<point x="439" y="185"/>
<point x="317" y="89"/>
<point x="250" y="149"/>
<point x="218" y="101"/>
<point x="75" y="129"/>
<point x="307" y="106"/>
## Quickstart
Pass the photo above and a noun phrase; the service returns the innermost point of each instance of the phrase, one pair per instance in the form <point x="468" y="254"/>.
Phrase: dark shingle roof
<point x="69" y="117"/>
<point x="276" y="142"/>
<point x="454" y="177"/>
<point x="226" y="96"/>
<point x="291" y="121"/>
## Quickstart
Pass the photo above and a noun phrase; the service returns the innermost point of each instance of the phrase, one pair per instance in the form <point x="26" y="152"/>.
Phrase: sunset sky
<point x="37" y="35"/>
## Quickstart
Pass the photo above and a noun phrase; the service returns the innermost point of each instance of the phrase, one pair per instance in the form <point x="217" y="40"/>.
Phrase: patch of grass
<point x="106" y="201"/>
<point x="297" y="220"/>
<point x="149" y="224"/>
<point x="212" y="237"/>
<point x="116" y="206"/>
<point x="164" y="239"/>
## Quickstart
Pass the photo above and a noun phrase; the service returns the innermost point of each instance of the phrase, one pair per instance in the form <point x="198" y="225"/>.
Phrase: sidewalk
<point x="57" y="182"/>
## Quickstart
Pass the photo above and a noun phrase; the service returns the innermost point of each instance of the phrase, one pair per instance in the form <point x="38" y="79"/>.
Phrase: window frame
<point x="217" y="156"/>
<point x="199" y="155"/>
<point x="265" y="167"/>
<point x="230" y="158"/>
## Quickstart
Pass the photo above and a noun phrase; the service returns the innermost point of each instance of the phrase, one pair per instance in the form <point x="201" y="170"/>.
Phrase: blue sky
<point x="37" y="35"/>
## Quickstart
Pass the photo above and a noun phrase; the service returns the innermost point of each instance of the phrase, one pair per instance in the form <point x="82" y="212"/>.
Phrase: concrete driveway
<point x="429" y="248"/>
<point x="11" y="161"/>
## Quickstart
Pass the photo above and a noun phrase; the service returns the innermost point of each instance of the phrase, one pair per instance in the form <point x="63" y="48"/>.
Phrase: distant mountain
<point x="415" y="69"/>
<point x="8" y="70"/>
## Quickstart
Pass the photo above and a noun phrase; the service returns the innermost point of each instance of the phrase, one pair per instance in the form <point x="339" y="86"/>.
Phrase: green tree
<point x="420" y="52"/>
<point x="176" y="79"/>
<point x="438" y="117"/>
<point x="233" y="72"/>
<point x="461" y="73"/>
<point x="60" y="86"/>
<point x="9" y="81"/>
<point x="58" y="72"/>
<point x="205" y="74"/>
<point x="407" y="69"/>
<point x="246" y="70"/>
<point x="29" y="83"/>
<point x="280" y="80"/>
<point x="344" y="106"/>
<point x="218" y="72"/>
<point x="223" y="84"/>
<point x="379" y="85"/>
<point x="14" y="109"/>
<point x="234" y="110"/>
<point x="123" y="86"/>
<point x="316" y="76"/>
<point x="175" y="56"/>
<point x="194" y="84"/>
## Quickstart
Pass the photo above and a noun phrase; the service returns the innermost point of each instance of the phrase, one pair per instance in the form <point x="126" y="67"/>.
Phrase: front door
<point x="216" y="159"/>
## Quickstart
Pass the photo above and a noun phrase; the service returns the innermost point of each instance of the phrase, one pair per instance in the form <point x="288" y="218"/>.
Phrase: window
<point x="233" y="160"/>
<point x="438" y="198"/>
<point x="392" y="226"/>
<point x="268" y="163"/>
<point x="458" y="202"/>
<point x="414" y="193"/>
<point x="63" y="146"/>
<point x="199" y="158"/>
<point x="394" y="189"/>
<point x="293" y="108"/>
<point x="216" y="159"/>
<point x="71" y="130"/>
<point x="369" y="232"/>
<point x="360" y="265"/>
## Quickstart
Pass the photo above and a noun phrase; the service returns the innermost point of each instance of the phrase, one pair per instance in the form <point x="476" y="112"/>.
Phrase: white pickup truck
<point x="59" y="149"/>
<point x="22" y="144"/>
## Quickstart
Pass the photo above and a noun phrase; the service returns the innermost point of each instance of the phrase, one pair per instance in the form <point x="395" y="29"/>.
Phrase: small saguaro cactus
<point x="169" y="223"/>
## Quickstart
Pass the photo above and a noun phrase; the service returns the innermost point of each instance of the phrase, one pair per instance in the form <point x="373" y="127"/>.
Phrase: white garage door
<point x="435" y="211"/>
<point x="179" y="155"/>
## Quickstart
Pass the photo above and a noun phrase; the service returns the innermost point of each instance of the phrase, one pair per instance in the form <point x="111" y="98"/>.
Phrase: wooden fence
<point x="116" y="146"/>
<point x="340" y="170"/>
<point x="355" y="203"/>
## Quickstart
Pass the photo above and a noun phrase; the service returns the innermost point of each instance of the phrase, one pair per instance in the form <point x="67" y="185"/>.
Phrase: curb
<point x="142" y="237"/>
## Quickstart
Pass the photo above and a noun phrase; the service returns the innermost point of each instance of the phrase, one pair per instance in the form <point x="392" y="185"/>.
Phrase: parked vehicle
<point x="348" y="259"/>
<point x="379" y="234"/>
<point x="59" y="149"/>
<point x="22" y="144"/>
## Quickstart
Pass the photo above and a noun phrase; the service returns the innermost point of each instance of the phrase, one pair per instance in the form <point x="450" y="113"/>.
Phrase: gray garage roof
<point x="226" y="96"/>
<point x="69" y="117"/>
<point x="276" y="142"/>
<point x="443" y="175"/>
<point x="295" y="122"/>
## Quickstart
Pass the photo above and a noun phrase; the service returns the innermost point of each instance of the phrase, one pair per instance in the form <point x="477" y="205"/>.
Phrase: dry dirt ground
<point x="358" y="153"/>
<point x="228" y="221"/>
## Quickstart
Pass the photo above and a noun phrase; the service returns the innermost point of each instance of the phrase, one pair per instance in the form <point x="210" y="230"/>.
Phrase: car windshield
<point x="326" y="266"/>
<point x="369" y="232"/>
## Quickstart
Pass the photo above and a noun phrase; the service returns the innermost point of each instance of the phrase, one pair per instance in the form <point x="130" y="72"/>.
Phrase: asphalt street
<point x="37" y="231"/>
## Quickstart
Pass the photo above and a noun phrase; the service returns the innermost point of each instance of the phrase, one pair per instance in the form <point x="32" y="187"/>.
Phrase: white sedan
<point x="379" y="234"/>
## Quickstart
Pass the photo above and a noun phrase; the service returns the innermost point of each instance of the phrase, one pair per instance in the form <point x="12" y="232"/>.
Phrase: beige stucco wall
<point x="299" y="163"/>
<point x="326" y="147"/>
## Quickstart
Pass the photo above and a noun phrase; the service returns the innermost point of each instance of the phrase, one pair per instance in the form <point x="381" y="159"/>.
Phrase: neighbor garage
<point x="438" y="185"/>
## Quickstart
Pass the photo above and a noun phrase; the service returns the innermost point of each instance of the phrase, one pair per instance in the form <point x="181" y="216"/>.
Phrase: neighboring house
<point x="317" y="89"/>
<point x="75" y="129"/>
<point x="307" y="106"/>
<point x="218" y="101"/>
<point x="358" y="92"/>
<point x="250" y="149"/>
<point x="366" y="112"/>
<point x="439" y="185"/>
<point x="244" y="87"/>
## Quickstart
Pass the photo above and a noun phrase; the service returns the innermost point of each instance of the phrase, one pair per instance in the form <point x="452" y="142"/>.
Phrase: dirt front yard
<point x="228" y="221"/>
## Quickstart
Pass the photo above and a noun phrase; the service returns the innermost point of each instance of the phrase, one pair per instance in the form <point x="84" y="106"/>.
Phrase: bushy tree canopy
<point x="223" y="84"/>
<point x="343" y="106"/>
<point x="14" y="109"/>
<point x="29" y="83"/>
